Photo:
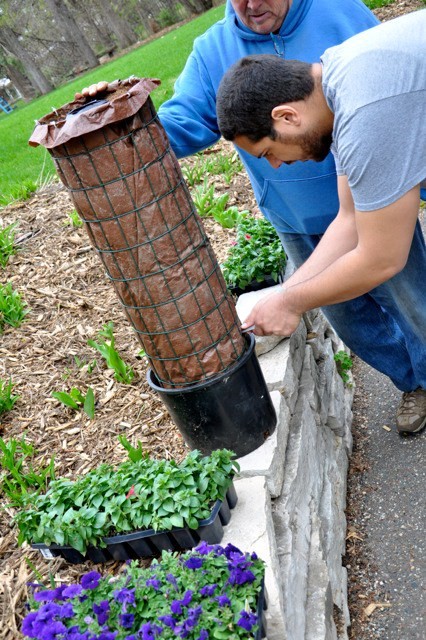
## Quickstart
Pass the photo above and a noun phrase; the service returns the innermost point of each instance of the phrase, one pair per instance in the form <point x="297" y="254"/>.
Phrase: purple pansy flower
<point x="47" y="595"/>
<point x="149" y="631"/>
<point x="72" y="591"/>
<point x="247" y="620"/>
<point x="231" y="549"/>
<point x="53" y="631"/>
<point x="176" y="607"/>
<point x="48" y="611"/>
<point x="126" y="620"/>
<point x="193" y="563"/>
<point x="208" y="590"/>
<point x="107" y="635"/>
<point x="241" y="576"/>
<point x="223" y="600"/>
<point x="31" y="626"/>
<point x="102" y="611"/>
<point x="66" y="611"/>
<point x="204" y="548"/>
<point x="170" y="578"/>
<point x="203" y="635"/>
<point x="154" y="582"/>
<point x="75" y="634"/>
<point x="90" y="580"/>
<point x="124" y="595"/>
<point x="168" y="620"/>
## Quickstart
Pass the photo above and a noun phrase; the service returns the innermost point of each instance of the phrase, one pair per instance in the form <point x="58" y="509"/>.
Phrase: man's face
<point x="311" y="145"/>
<point x="262" y="16"/>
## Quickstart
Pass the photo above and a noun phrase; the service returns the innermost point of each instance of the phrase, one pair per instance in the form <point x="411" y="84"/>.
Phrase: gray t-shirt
<point x="375" y="84"/>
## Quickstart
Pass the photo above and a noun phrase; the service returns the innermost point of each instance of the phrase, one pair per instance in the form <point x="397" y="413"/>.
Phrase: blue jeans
<point x="387" y="326"/>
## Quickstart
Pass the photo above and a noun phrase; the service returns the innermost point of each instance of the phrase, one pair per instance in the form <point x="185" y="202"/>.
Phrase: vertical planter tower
<point x="115" y="159"/>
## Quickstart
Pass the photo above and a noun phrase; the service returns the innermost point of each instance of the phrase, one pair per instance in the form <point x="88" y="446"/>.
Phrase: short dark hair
<point x="252" y="87"/>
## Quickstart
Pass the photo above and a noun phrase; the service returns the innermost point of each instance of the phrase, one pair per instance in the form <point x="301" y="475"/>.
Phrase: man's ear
<point x="285" y="114"/>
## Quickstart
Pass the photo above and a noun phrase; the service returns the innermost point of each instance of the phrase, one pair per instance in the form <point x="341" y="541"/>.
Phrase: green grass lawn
<point x="23" y="167"/>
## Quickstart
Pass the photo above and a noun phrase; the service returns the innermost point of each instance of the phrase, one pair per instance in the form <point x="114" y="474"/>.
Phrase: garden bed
<point x="70" y="299"/>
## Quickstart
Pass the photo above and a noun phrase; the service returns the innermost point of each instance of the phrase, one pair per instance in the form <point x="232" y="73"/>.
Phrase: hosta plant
<point x="257" y="253"/>
<point x="209" y="593"/>
<point x="141" y="493"/>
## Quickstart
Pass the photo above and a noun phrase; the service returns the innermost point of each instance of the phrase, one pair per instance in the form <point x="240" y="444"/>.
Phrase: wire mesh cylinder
<point x="125" y="181"/>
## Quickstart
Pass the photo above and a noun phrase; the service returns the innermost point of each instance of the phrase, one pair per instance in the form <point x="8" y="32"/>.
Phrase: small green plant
<point x="134" y="453"/>
<point x="73" y="219"/>
<point x="209" y="204"/>
<point x="12" y="307"/>
<point x="256" y="253"/>
<point x="19" y="478"/>
<point x="344" y="363"/>
<point x="7" y="243"/>
<point x="76" y="400"/>
<point x="195" y="172"/>
<point x="221" y="164"/>
<point x="106" y="347"/>
<point x="224" y="165"/>
<point x="139" y="494"/>
<point x="7" y="399"/>
<point x="228" y="219"/>
<point x="88" y="367"/>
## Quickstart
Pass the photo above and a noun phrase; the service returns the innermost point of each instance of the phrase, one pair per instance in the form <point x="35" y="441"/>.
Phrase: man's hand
<point x="93" y="90"/>
<point x="273" y="316"/>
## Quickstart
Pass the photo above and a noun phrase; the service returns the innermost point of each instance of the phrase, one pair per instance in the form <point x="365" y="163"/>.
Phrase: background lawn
<point x="23" y="168"/>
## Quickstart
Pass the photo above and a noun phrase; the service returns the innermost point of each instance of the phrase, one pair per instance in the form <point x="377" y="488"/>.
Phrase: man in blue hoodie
<point x="299" y="200"/>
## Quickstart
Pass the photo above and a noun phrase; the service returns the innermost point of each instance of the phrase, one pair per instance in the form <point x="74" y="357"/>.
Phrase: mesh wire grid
<point x="128" y="188"/>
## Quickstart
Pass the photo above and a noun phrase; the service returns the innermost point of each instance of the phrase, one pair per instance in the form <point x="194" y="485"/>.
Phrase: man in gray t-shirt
<point x="366" y="101"/>
<point x="375" y="87"/>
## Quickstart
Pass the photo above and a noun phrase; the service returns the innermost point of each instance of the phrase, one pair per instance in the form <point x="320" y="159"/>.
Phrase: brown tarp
<point x="115" y="159"/>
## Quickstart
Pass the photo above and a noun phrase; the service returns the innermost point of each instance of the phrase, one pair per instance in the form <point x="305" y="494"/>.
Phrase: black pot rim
<point x="251" y="340"/>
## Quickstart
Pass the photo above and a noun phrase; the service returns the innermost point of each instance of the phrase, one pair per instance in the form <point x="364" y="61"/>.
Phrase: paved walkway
<point x="391" y="510"/>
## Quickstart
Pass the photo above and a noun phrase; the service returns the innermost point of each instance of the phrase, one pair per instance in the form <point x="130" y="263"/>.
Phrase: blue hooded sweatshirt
<point x="300" y="198"/>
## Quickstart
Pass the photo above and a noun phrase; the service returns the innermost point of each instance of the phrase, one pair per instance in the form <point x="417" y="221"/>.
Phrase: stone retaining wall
<point x="292" y="490"/>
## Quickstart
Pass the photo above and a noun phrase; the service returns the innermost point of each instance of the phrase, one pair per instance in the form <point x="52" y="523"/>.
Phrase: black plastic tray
<point x="255" y="285"/>
<point x="261" y="608"/>
<point x="148" y="543"/>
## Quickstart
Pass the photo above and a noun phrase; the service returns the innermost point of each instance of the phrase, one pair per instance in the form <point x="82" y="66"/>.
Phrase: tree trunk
<point x="102" y="38"/>
<point x="120" y="28"/>
<point x="65" y="22"/>
<point x="22" y="84"/>
<point x="197" y="6"/>
<point x="11" y="44"/>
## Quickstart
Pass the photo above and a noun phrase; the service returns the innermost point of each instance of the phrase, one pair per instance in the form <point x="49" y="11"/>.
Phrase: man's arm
<point x="340" y="237"/>
<point x="358" y="263"/>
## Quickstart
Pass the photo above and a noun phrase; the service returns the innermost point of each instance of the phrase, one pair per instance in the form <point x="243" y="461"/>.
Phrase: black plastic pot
<point x="232" y="411"/>
<point x="148" y="543"/>
<point x="256" y="285"/>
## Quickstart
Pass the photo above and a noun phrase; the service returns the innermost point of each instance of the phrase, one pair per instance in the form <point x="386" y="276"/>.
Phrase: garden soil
<point x="69" y="300"/>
